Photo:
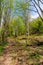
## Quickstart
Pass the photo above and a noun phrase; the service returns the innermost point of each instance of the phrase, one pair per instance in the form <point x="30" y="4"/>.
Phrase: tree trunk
<point x="27" y="25"/>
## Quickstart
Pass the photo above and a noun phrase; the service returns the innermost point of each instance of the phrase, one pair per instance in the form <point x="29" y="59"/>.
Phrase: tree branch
<point x="41" y="1"/>
<point x="32" y="10"/>
<point x="37" y="11"/>
<point x="38" y="6"/>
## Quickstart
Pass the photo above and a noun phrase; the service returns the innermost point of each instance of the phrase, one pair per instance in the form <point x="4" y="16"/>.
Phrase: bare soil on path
<point x="17" y="54"/>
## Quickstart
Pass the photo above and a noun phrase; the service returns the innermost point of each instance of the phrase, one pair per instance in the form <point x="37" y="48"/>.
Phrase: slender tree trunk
<point x="27" y="25"/>
<point x="4" y="27"/>
<point x="0" y="12"/>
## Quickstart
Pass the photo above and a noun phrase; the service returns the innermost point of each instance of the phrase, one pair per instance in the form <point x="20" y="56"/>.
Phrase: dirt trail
<point x="15" y="54"/>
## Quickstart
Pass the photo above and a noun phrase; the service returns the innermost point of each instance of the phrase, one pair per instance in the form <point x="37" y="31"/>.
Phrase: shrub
<point x="36" y="26"/>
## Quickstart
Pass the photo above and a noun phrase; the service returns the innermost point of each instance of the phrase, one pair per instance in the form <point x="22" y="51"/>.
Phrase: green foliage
<point x="36" y="26"/>
<point x="1" y="50"/>
<point x="17" y="26"/>
<point x="22" y="5"/>
<point x="0" y="34"/>
<point x="2" y="45"/>
<point x="34" y="56"/>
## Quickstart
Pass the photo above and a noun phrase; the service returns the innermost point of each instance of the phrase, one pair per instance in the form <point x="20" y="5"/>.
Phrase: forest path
<point x="17" y="54"/>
